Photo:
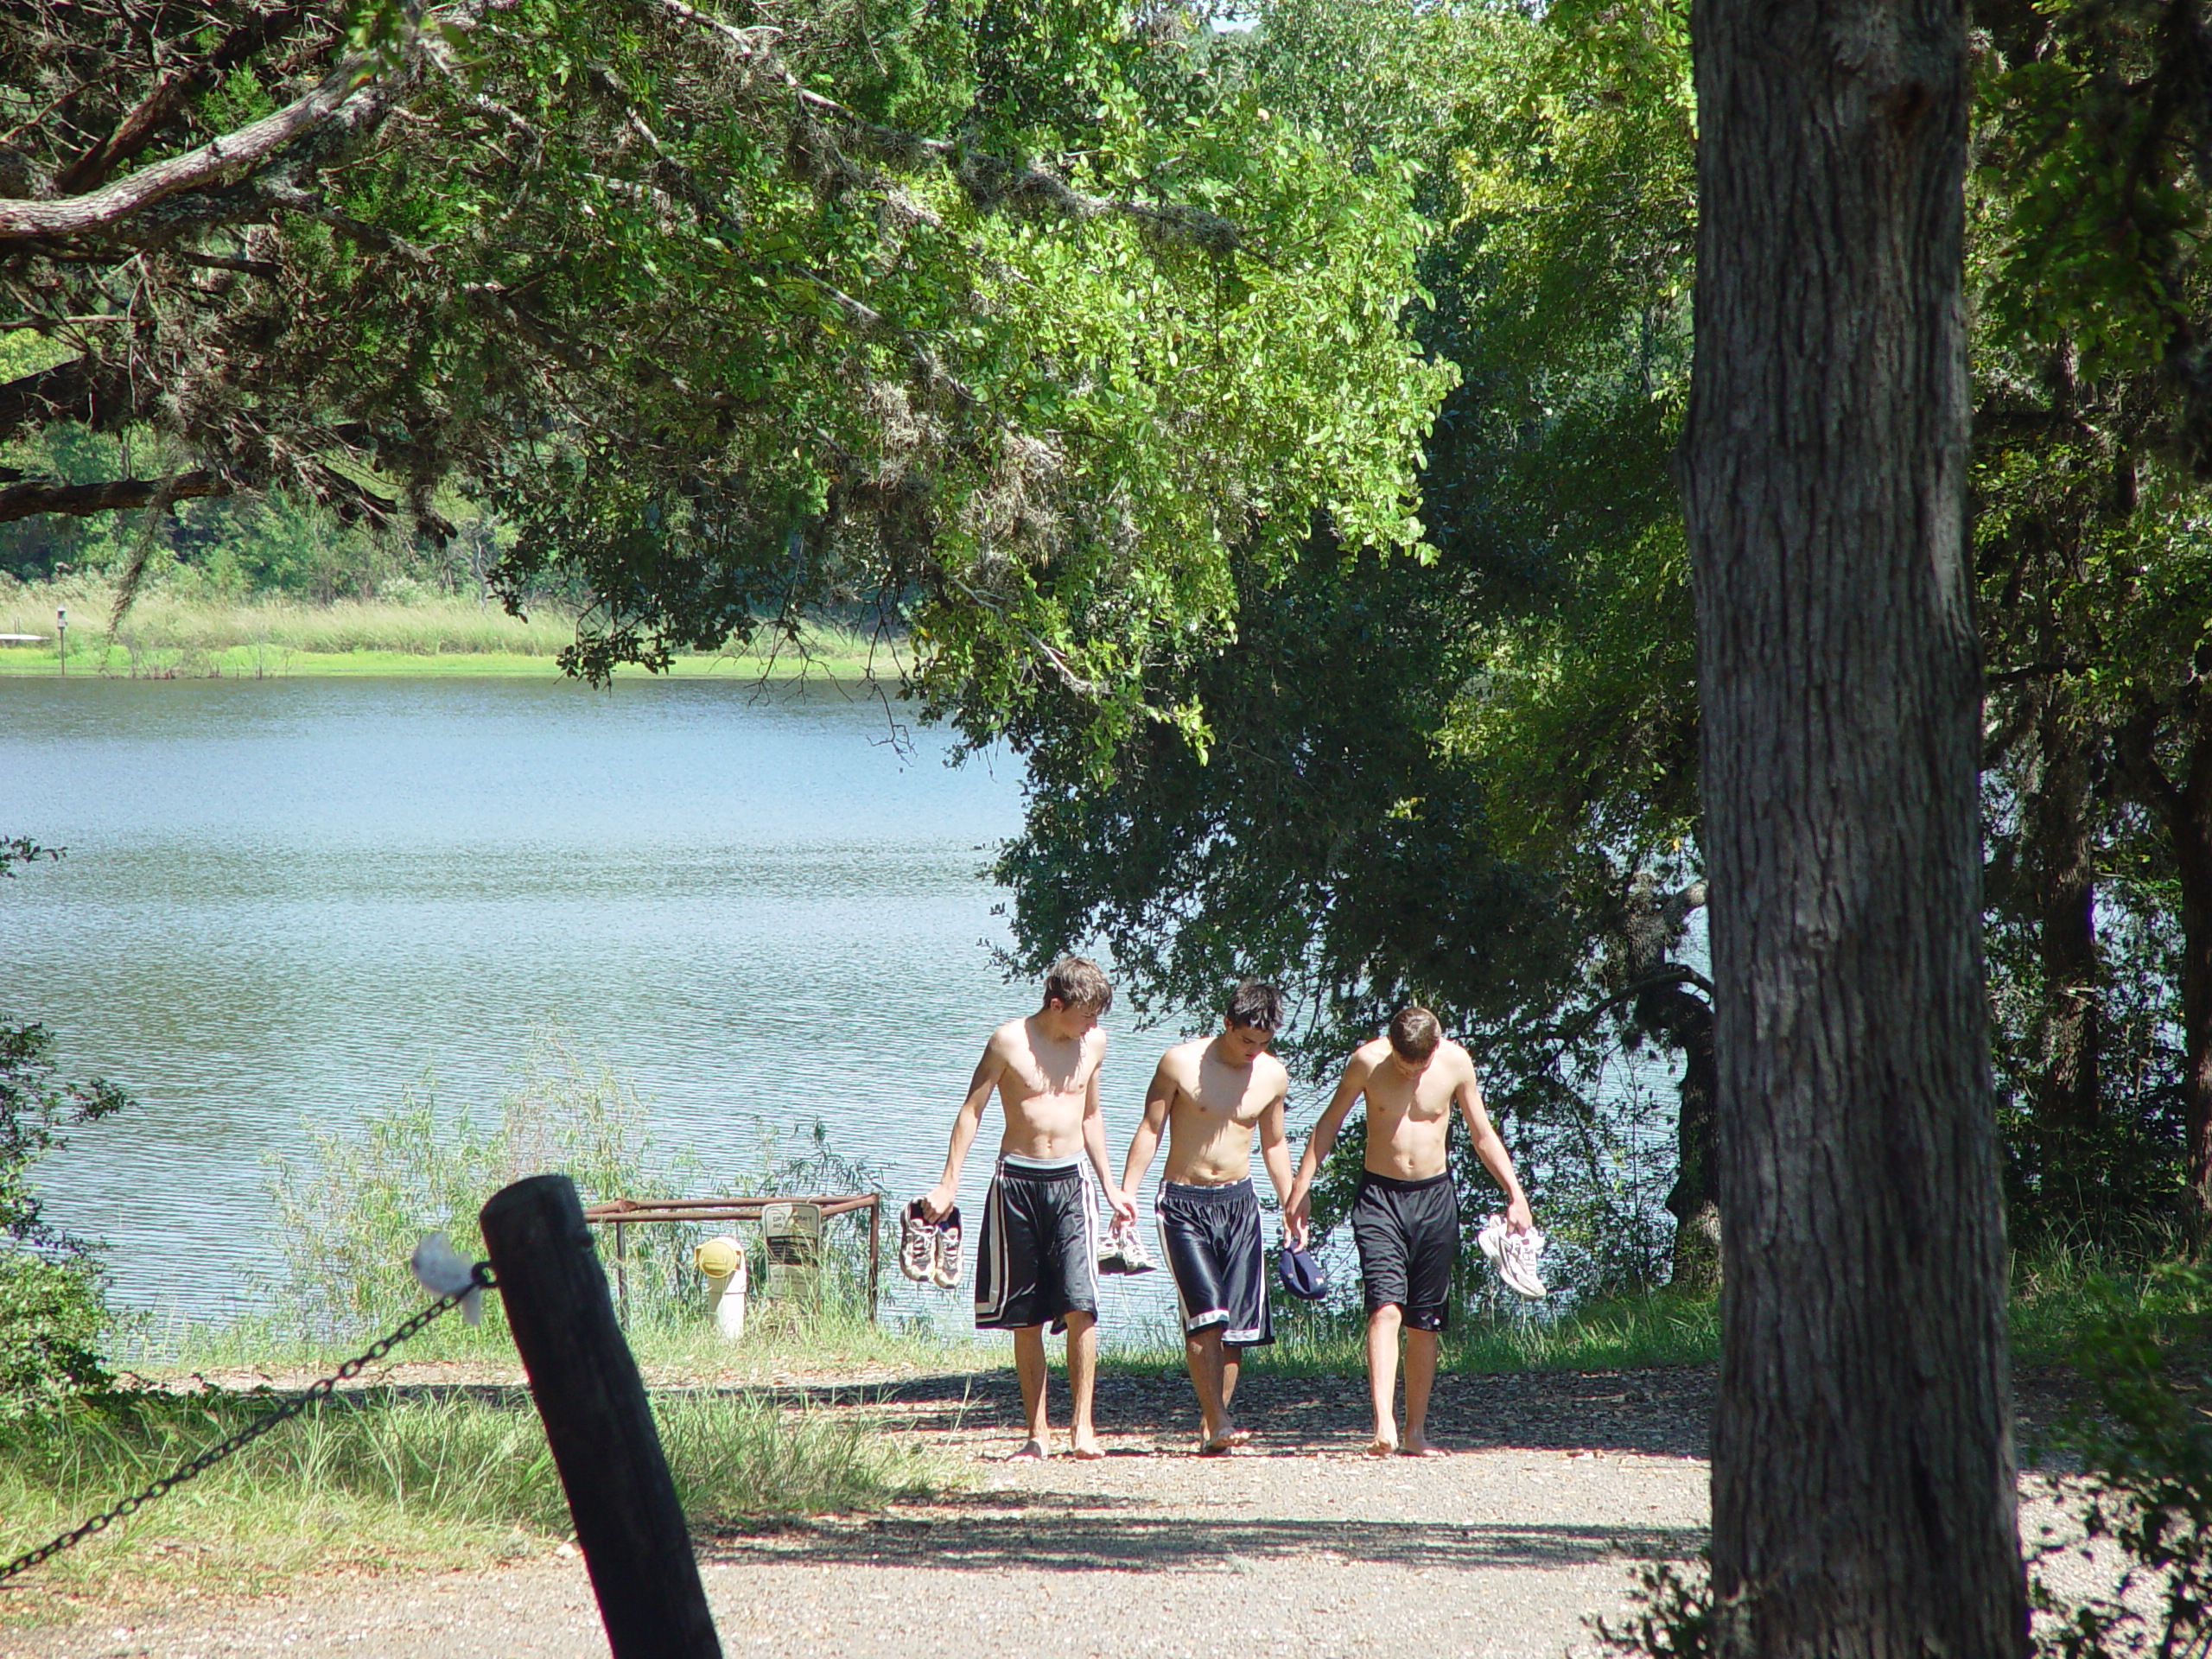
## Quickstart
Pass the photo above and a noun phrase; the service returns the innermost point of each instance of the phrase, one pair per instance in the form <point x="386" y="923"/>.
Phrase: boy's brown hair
<point x="1078" y="982"/>
<point x="1414" y="1033"/>
<point x="1255" y="1005"/>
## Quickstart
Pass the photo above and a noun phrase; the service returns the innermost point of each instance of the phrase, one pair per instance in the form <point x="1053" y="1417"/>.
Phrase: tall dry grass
<point x="175" y="629"/>
<point x="163" y="620"/>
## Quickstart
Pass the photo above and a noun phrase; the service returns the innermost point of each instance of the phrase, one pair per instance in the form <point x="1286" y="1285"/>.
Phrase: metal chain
<point x="315" y="1393"/>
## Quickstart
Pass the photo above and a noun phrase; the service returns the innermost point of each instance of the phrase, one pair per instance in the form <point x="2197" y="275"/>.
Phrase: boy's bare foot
<point x="1036" y="1449"/>
<point x="1381" y="1446"/>
<point x="1239" y="1436"/>
<point x="1219" y="1446"/>
<point x="1420" y="1445"/>
<point x="1085" y="1447"/>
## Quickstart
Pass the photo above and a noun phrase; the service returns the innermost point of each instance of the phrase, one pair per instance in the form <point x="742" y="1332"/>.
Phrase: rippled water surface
<point x="285" y="901"/>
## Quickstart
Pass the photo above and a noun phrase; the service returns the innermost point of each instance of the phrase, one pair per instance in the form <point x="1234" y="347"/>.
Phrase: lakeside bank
<point x="166" y="635"/>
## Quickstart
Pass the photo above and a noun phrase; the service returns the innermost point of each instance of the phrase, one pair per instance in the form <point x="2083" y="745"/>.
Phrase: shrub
<point x="2144" y="1439"/>
<point x="350" y="1216"/>
<point x="53" y="1291"/>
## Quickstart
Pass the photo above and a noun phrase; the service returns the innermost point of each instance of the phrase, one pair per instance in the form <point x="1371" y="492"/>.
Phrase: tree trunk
<point x="2058" y="855"/>
<point x="1694" y="1198"/>
<point x="2185" y="811"/>
<point x="2196" y="1006"/>
<point x="1676" y="1018"/>
<point x="1862" y="1471"/>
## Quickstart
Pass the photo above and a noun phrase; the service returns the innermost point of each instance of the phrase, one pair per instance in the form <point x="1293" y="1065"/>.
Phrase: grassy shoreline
<point x="439" y="1465"/>
<point x="169" y="636"/>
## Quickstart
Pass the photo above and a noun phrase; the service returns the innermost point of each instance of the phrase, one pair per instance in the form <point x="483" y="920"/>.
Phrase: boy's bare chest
<point x="1046" y="1072"/>
<point x="1224" y="1096"/>
<point x="1408" y="1103"/>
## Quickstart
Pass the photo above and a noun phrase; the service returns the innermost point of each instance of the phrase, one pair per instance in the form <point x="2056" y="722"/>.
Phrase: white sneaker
<point x="1125" y="1251"/>
<point x="1514" y="1255"/>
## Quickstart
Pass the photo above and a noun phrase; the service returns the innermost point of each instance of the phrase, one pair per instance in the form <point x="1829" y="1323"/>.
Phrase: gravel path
<point x="1558" y="1486"/>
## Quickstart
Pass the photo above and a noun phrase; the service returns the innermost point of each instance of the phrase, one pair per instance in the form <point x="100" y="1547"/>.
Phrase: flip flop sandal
<point x="917" y="1243"/>
<point x="945" y="1271"/>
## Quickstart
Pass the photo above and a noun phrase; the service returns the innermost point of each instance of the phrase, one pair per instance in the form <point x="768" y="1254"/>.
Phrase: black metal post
<point x="874" y="1253"/>
<point x="629" y="1524"/>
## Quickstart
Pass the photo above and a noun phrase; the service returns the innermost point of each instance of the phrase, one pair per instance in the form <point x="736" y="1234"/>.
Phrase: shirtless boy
<point x="1037" y="1262"/>
<point x="1211" y="1093"/>
<point x="1406" y="1220"/>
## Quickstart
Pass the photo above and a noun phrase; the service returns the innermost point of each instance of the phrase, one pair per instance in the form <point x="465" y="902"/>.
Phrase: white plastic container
<point x="722" y="1261"/>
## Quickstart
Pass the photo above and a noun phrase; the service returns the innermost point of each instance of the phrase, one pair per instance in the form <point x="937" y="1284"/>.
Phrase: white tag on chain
<point x="439" y="1270"/>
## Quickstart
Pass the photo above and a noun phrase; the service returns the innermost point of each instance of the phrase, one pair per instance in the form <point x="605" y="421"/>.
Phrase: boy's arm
<point x="1296" y="1213"/>
<point x="1094" y="1143"/>
<point x="970" y="1118"/>
<point x="1146" y="1142"/>
<point x="1490" y="1147"/>
<point x="1274" y="1148"/>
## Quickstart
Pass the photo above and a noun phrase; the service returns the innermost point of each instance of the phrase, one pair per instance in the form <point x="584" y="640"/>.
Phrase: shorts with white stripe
<point x="1211" y="1235"/>
<point x="1038" y="1260"/>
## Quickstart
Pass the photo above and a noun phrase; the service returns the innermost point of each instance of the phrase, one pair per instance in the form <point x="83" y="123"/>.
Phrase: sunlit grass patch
<point x="391" y="1480"/>
<point x="169" y="634"/>
<point x="2063" y="1283"/>
<point x="783" y="1346"/>
<point x="1615" y="1333"/>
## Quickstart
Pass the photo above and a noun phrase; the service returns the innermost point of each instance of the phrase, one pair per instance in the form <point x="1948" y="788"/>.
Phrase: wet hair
<point x="1414" y="1033"/>
<point x="1076" y="982"/>
<point x="1255" y="1005"/>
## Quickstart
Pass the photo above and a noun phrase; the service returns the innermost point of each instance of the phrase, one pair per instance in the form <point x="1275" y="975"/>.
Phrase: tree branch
<point x="2137" y="752"/>
<point x="990" y="181"/>
<point x="97" y="394"/>
<point x="2032" y="672"/>
<point x="169" y="96"/>
<point x="1676" y="974"/>
<point x="29" y="221"/>
<point x="117" y="495"/>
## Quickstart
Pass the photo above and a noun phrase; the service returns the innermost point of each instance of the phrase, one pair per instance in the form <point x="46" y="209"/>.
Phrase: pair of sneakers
<point x="1125" y="1251"/>
<point x="1514" y="1255"/>
<point x="929" y="1251"/>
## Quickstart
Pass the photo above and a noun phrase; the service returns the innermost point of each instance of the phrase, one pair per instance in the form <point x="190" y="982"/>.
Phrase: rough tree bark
<point x="24" y="500"/>
<point x="1862" y="1471"/>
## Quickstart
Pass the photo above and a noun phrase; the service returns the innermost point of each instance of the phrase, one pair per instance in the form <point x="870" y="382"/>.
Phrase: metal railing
<point x="621" y="1213"/>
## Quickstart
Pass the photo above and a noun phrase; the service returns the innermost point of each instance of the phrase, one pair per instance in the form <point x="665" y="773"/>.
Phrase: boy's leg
<point x="1202" y="1354"/>
<point x="1420" y="1376"/>
<point x="1435" y="1214"/>
<point x="1029" y="1367"/>
<point x="1083" y="1375"/>
<point x="1232" y="1362"/>
<point x="1382" y="1374"/>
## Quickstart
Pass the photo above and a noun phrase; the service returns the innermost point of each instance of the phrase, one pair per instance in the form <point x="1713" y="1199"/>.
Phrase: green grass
<point x="781" y="1344"/>
<point x="169" y="636"/>
<point x="2063" y="1283"/>
<point x="386" y="1479"/>
<point x="2052" y="1303"/>
<point x="1620" y="1334"/>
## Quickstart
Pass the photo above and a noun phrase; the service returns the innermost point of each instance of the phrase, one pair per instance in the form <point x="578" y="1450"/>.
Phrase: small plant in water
<point x="349" y="1215"/>
<point x="349" y="1218"/>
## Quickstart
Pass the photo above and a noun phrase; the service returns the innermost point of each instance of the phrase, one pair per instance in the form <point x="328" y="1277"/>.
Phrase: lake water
<point x="285" y="902"/>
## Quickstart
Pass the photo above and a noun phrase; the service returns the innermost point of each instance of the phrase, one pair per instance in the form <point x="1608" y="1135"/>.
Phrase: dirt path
<point x="1558" y="1487"/>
